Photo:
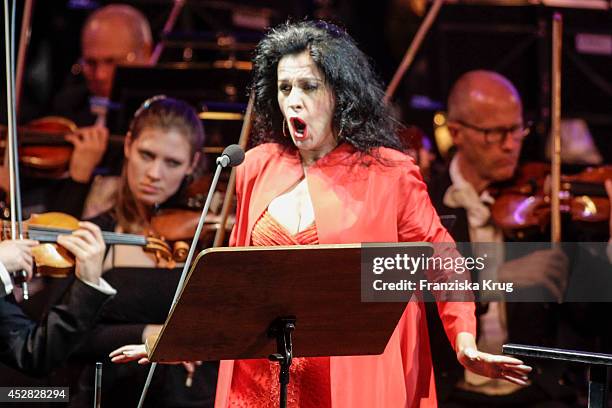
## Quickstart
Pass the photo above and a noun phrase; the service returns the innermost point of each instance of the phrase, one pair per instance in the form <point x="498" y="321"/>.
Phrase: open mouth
<point x="300" y="129"/>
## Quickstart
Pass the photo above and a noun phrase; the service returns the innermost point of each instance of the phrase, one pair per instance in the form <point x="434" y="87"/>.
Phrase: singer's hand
<point x="16" y="255"/>
<point x="489" y="365"/>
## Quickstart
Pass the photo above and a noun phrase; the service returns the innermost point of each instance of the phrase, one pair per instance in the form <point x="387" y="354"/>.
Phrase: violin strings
<point x="49" y="234"/>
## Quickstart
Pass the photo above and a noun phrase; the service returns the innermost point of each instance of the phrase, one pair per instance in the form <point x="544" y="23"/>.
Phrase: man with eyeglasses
<point x="485" y="120"/>
<point x="113" y="35"/>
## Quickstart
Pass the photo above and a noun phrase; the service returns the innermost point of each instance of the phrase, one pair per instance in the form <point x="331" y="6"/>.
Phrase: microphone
<point x="232" y="156"/>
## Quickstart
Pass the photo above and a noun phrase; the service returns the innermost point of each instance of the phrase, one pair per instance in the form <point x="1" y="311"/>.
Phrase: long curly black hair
<point x="360" y="118"/>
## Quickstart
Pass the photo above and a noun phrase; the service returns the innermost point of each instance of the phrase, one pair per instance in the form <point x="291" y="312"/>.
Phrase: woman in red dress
<point x="328" y="169"/>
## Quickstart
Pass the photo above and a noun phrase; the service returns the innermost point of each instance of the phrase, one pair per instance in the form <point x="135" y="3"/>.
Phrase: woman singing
<point x="328" y="169"/>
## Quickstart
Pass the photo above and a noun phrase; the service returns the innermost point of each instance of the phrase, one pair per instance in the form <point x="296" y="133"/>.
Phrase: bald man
<point x="114" y="35"/>
<point x="485" y="119"/>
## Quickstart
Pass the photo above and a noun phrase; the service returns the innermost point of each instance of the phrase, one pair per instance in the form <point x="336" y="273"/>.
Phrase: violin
<point x="526" y="206"/>
<point x="52" y="260"/>
<point x="179" y="226"/>
<point x="42" y="145"/>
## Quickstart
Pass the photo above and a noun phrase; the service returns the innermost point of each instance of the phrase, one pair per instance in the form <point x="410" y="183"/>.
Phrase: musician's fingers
<point x="73" y="138"/>
<point x="87" y="236"/>
<point x="30" y="273"/>
<point x="73" y="244"/>
<point x="121" y="350"/>
<point x="94" y="229"/>
<point x="101" y="136"/>
<point x="189" y="366"/>
<point x="121" y="359"/>
<point x="27" y="265"/>
<point x="27" y="259"/>
<point x="26" y="243"/>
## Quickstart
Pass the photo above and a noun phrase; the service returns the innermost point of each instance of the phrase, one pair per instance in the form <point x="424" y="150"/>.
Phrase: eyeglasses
<point x="498" y="134"/>
<point x="93" y="63"/>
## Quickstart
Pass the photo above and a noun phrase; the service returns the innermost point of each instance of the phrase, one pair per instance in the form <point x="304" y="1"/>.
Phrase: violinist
<point x="161" y="154"/>
<point x="112" y="35"/>
<point x="485" y="118"/>
<point x="37" y="348"/>
<point x="117" y="34"/>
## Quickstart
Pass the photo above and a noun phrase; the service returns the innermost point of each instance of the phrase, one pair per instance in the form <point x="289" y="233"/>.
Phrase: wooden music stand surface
<point x="232" y="296"/>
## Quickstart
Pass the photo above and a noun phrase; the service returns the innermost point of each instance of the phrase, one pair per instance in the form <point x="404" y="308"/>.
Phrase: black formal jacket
<point x="37" y="348"/>
<point x="144" y="296"/>
<point x="528" y="323"/>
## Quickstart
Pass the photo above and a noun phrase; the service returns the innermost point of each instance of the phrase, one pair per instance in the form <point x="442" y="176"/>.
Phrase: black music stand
<point x="202" y="85"/>
<point x="598" y="363"/>
<point x="277" y="303"/>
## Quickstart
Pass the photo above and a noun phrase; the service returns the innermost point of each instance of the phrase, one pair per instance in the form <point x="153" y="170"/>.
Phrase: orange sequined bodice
<point x="255" y="382"/>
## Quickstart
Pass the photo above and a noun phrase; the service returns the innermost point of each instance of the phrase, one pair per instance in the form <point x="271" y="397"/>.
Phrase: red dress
<point x="356" y="199"/>
<point x="255" y="382"/>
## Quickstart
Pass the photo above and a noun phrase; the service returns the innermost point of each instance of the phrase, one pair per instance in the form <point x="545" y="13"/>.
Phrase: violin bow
<point x="231" y="185"/>
<point x="555" y="205"/>
<point x="168" y="27"/>
<point x="14" y="190"/>
<point x="24" y="41"/>
<point x="412" y="49"/>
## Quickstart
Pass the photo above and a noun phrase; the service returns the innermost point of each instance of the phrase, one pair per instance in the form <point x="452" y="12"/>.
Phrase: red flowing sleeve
<point x="418" y="221"/>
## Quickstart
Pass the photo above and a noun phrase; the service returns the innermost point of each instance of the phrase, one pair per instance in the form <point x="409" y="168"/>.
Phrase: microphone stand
<point x="223" y="161"/>
<point x="174" y="13"/>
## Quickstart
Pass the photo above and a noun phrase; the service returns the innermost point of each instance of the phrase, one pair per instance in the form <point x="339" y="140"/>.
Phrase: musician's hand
<point x="151" y="330"/>
<point x="128" y="353"/>
<point x="547" y="267"/>
<point x="16" y="255"/>
<point x="190" y="367"/>
<point x="89" y="147"/>
<point x="132" y="352"/>
<point x="490" y="365"/>
<point x="87" y="245"/>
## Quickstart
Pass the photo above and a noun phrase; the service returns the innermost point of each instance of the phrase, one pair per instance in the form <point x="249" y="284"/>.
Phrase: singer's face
<point x="307" y="103"/>
<point x="157" y="161"/>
